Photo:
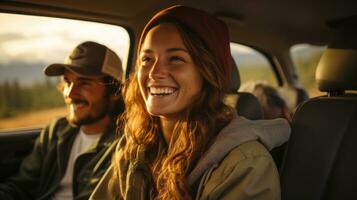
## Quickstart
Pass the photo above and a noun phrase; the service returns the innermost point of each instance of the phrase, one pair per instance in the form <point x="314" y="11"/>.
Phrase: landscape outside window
<point x="306" y="58"/>
<point x="29" y="43"/>
<point x="252" y="65"/>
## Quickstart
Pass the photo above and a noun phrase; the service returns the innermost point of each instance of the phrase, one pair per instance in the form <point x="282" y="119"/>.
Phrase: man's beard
<point x="86" y="120"/>
<point x="101" y="112"/>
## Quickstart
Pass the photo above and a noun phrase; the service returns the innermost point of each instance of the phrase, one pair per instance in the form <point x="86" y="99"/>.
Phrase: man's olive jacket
<point x="41" y="172"/>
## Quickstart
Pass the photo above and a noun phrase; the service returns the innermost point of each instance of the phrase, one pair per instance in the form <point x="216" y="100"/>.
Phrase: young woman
<point x="180" y="140"/>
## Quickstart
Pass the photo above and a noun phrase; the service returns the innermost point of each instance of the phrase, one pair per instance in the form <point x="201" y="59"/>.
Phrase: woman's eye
<point x="176" y="59"/>
<point x="145" y="59"/>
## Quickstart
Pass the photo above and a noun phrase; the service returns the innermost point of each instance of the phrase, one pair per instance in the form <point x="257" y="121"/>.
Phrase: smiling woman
<point x="28" y="44"/>
<point x="180" y="141"/>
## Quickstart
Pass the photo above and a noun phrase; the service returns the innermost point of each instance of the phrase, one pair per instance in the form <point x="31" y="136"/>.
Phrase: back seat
<point x="320" y="161"/>
<point x="246" y="104"/>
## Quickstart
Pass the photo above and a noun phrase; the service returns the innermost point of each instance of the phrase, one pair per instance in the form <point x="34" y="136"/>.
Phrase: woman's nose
<point x="158" y="70"/>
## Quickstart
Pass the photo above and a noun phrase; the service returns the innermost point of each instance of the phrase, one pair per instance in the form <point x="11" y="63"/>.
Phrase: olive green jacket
<point x="40" y="172"/>
<point x="236" y="166"/>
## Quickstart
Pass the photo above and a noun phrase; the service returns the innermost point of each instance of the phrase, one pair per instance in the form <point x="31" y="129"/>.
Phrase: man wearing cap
<point x="72" y="153"/>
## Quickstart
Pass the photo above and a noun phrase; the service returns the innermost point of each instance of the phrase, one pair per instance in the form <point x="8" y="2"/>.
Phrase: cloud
<point x="34" y="39"/>
<point x="6" y="37"/>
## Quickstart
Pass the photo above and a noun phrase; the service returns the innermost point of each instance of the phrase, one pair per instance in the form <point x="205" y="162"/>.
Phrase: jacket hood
<point x="271" y="133"/>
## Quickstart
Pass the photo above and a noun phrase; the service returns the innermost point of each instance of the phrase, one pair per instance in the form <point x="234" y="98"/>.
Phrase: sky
<point x="46" y="39"/>
<point x="33" y="38"/>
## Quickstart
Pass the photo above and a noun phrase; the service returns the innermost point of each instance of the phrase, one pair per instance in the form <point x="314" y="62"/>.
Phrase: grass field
<point x="33" y="119"/>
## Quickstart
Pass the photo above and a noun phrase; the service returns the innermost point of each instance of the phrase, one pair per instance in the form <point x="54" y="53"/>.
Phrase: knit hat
<point x="89" y="59"/>
<point x="211" y="30"/>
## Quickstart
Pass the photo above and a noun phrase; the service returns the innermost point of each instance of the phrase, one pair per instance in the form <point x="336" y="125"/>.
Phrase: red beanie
<point x="211" y="30"/>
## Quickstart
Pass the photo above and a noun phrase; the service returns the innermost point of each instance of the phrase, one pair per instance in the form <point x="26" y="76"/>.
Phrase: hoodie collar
<point x="271" y="133"/>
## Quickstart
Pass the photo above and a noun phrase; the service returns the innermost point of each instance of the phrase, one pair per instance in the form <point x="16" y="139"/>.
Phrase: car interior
<point x="317" y="162"/>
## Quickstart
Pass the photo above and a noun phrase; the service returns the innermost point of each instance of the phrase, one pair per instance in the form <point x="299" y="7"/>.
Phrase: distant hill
<point x="26" y="73"/>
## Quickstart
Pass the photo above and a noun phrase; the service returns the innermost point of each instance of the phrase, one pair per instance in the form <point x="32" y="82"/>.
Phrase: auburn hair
<point x="171" y="163"/>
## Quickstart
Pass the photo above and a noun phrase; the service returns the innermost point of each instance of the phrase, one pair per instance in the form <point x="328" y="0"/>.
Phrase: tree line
<point x="16" y="99"/>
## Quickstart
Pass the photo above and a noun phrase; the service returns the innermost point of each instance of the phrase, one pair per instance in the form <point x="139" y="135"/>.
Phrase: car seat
<point x="320" y="161"/>
<point x="246" y="104"/>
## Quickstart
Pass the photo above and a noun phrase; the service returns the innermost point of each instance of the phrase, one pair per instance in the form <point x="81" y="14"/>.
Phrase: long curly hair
<point x="171" y="163"/>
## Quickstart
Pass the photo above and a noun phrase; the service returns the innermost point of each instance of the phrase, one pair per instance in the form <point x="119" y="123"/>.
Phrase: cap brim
<point x="59" y="69"/>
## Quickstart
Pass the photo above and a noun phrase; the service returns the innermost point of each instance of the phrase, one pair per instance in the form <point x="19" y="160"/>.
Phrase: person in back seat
<point x="273" y="104"/>
<point x="180" y="140"/>
<point x="72" y="153"/>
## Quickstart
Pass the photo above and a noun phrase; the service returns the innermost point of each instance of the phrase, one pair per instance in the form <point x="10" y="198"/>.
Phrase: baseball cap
<point x="89" y="59"/>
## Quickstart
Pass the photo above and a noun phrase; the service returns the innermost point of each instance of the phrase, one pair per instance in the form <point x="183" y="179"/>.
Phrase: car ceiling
<point x="272" y="26"/>
<point x="250" y="21"/>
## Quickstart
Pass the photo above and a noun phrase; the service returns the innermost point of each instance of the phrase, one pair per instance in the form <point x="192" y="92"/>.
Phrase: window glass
<point x="252" y="65"/>
<point x="29" y="43"/>
<point x="306" y="58"/>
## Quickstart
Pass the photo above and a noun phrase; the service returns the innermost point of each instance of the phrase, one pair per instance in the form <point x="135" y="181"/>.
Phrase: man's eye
<point x="66" y="82"/>
<point x="84" y="83"/>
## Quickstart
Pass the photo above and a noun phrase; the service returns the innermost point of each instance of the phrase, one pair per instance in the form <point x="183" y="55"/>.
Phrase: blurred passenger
<point x="180" y="140"/>
<point x="274" y="106"/>
<point x="72" y="153"/>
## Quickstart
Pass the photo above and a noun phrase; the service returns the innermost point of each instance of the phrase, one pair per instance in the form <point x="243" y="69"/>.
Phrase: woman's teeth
<point x="161" y="90"/>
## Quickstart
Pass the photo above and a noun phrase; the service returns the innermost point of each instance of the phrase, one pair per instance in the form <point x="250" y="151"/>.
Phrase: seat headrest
<point x="248" y="106"/>
<point x="235" y="79"/>
<point x="337" y="68"/>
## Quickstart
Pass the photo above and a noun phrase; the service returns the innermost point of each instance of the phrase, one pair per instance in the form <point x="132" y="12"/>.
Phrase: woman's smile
<point x="161" y="91"/>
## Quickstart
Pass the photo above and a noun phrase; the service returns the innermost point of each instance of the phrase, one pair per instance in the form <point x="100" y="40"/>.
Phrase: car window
<point x="252" y="65"/>
<point x="306" y="58"/>
<point x="29" y="43"/>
